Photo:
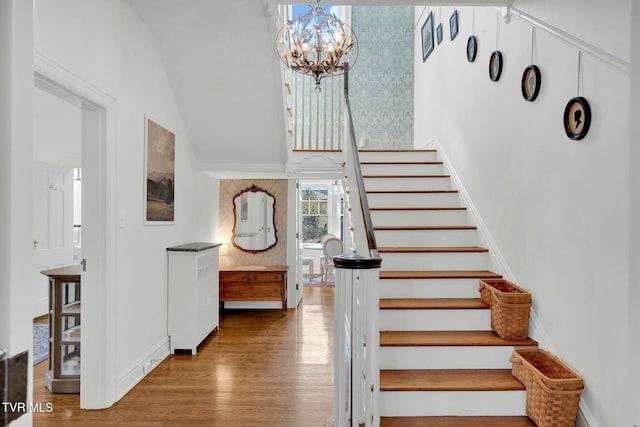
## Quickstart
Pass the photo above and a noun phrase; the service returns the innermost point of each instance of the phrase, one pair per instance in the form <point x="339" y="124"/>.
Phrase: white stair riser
<point x="456" y="403"/>
<point x="429" y="288"/>
<point x="469" y="357"/>
<point x="435" y="320"/>
<point x="399" y="156"/>
<point x="435" y="261"/>
<point x="398" y="184"/>
<point x="408" y="218"/>
<point x="402" y="169"/>
<point x="414" y="200"/>
<point x="427" y="238"/>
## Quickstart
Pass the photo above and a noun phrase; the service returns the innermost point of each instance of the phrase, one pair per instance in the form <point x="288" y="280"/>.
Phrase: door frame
<point x="98" y="388"/>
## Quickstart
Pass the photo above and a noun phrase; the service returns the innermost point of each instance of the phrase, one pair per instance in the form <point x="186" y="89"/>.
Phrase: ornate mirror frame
<point x="271" y="221"/>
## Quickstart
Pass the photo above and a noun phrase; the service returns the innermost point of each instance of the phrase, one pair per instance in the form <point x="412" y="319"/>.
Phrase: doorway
<point x="320" y="215"/>
<point x="97" y="156"/>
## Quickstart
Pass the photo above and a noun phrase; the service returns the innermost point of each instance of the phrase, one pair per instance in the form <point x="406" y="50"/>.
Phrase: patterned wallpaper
<point x="381" y="82"/>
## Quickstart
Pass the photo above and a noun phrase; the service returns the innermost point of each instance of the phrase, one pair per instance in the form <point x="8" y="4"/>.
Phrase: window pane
<point x="322" y="207"/>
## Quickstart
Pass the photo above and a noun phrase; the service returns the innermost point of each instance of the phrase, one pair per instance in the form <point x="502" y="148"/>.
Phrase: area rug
<point x="40" y="342"/>
<point x="316" y="280"/>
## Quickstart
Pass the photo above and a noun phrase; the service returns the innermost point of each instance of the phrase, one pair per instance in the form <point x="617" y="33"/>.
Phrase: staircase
<point x="440" y="363"/>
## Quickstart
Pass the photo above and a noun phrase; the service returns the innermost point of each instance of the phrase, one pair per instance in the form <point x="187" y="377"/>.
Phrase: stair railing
<point x="356" y="324"/>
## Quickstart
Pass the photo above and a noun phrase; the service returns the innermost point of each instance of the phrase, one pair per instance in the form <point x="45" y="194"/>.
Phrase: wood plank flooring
<point x="260" y="369"/>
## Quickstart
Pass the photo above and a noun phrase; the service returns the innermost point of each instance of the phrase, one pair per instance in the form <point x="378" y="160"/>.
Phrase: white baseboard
<point x="537" y="331"/>
<point x="141" y="367"/>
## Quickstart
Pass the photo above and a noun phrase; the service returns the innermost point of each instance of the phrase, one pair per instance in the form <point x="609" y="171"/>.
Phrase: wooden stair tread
<point x="411" y="191"/>
<point x="448" y="380"/>
<point x="417" y="208"/>
<point x="440" y="274"/>
<point x="432" y="304"/>
<point x="431" y="249"/>
<point x="491" y="421"/>
<point x="424" y="227"/>
<point x="448" y="339"/>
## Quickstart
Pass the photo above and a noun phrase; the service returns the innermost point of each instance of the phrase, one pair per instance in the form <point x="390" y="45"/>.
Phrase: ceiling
<point x="220" y="60"/>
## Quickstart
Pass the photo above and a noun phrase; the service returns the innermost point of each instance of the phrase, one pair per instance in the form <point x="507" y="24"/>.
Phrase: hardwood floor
<point x="260" y="369"/>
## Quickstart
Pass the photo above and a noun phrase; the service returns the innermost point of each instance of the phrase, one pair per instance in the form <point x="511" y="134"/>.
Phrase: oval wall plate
<point x="577" y="118"/>
<point x="495" y="66"/>
<point x="531" y="81"/>
<point x="472" y="48"/>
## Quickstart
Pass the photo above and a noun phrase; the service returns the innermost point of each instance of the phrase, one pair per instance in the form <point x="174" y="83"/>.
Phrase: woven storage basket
<point x="553" y="389"/>
<point x="510" y="306"/>
<point x="506" y="291"/>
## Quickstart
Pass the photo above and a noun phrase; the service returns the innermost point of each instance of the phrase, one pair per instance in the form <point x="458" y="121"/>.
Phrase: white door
<point x="52" y="226"/>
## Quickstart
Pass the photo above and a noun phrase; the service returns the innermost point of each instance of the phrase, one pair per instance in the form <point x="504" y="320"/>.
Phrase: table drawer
<point x="265" y="277"/>
<point x="258" y="291"/>
<point x="234" y="277"/>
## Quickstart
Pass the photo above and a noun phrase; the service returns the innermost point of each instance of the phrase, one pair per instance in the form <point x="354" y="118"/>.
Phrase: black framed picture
<point x="495" y="66"/>
<point x="439" y="33"/>
<point x="427" y="37"/>
<point x="472" y="48"/>
<point x="531" y="81"/>
<point x="453" y="24"/>
<point x="577" y="118"/>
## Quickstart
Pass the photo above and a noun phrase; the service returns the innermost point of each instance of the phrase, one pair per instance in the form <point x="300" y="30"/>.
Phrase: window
<point x="315" y="218"/>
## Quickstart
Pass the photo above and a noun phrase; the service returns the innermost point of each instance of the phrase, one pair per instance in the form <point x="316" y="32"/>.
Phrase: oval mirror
<point x="254" y="228"/>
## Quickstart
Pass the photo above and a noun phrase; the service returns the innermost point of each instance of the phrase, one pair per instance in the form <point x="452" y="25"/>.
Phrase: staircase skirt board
<point x="456" y="403"/>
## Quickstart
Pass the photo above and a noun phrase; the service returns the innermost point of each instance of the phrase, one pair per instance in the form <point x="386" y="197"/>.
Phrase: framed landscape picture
<point x="159" y="173"/>
<point x="427" y="37"/>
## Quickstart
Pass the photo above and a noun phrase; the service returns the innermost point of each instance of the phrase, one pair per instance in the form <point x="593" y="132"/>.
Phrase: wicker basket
<point x="510" y="306"/>
<point x="553" y="389"/>
<point x="506" y="291"/>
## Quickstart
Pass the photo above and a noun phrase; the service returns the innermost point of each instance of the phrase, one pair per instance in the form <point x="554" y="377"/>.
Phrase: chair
<point x="331" y="246"/>
<point x="308" y="260"/>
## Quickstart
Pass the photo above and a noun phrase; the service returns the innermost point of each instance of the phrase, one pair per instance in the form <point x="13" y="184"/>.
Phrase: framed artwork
<point x="159" y="173"/>
<point x="495" y="66"/>
<point x="439" y="33"/>
<point x="453" y="24"/>
<point x="577" y="118"/>
<point x="472" y="48"/>
<point x="427" y="37"/>
<point x="531" y="81"/>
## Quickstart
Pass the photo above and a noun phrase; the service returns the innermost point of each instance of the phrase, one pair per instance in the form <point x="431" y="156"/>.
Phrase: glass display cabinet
<point x="63" y="375"/>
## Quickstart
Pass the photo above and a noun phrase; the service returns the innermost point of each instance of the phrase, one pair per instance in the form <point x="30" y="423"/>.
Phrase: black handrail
<point x="364" y="204"/>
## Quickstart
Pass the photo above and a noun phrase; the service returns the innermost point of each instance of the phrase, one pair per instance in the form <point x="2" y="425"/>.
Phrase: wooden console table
<point x="254" y="284"/>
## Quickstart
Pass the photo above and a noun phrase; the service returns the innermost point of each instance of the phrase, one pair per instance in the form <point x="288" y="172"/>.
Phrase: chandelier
<point x="317" y="44"/>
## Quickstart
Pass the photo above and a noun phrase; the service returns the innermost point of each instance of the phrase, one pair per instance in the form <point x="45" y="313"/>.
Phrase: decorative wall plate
<point x="577" y="118"/>
<point x="495" y="66"/>
<point x="531" y="81"/>
<point x="472" y="48"/>
<point x="439" y="33"/>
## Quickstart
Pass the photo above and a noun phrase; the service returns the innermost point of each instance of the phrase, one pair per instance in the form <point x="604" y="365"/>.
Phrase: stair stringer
<point x="499" y="262"/>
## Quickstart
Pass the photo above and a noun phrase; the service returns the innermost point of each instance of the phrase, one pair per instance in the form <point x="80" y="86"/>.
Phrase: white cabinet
<point x="193" y="294"/>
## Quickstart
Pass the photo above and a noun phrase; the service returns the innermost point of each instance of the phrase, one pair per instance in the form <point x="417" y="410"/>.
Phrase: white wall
<point x="56" y="130"/>
<point x="634" y="253"/>
<point x="16" y="254"/>
<point x="105" y="44"/>
<point x="558" y="210"/>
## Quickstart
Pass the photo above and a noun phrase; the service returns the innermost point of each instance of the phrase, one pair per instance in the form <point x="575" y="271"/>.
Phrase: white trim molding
<point x="135" y="372"/>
